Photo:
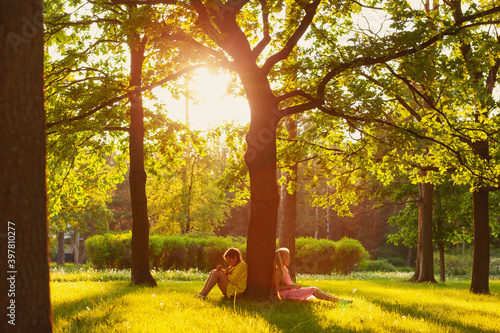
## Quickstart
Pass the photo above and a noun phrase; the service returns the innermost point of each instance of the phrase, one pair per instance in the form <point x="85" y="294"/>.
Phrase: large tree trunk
<point x="288" y="205"/>
<point x="260" y="158"/>
<point x="140" y="225"/>
<point x="425" y="249"/>
<point x="481" y="262"/>
<point x="480" y="213"/>
<point x="24" y="253"/>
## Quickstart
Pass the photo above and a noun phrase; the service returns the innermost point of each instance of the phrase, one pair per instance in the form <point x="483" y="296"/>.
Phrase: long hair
<point x="233" y="253"/>
<point x="279" y="269"/>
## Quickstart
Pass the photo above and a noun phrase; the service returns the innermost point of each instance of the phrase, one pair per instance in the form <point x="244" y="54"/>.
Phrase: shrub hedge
<point x="377" y="266"/>
<point x="313" y="256"/>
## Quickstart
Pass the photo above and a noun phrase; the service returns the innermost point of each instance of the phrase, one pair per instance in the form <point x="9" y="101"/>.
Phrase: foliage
<point x="78" y="200"/>
<point x="313" y="256"/>
<point x="109" y="250"/>
<point x="376" y="266"/>
<point x="349" y="252"/>
<point x="461" y="264"/>
<point x="184" y="195"/>
<point x="166" y="251"/>
<point x="323" y="256"/>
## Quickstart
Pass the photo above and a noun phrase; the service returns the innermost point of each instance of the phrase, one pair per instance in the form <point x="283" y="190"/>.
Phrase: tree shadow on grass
<point x="288" y="316"/>
<point x="421" y="312"/>
<point x="78" y="311"/>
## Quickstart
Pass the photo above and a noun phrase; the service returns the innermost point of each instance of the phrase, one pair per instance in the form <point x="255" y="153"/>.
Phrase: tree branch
<point x="110" y="128"/>
<point x="293" y="40"/>
<point x="266" y="39"/>
<point x="367" y="61"/>
<point x="127" y="95"/>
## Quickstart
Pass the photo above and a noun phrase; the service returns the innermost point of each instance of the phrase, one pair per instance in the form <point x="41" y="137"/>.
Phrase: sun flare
<point x="208" y="104"/>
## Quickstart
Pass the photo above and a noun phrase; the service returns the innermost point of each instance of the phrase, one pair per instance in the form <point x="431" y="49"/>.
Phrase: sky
<point x="211" y="106"/>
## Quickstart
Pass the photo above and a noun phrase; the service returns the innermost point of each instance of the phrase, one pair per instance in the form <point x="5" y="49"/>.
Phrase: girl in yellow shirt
<point x="232" y="280"/>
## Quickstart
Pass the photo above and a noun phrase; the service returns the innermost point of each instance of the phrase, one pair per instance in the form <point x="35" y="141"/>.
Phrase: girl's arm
<point x="279" y="287"/>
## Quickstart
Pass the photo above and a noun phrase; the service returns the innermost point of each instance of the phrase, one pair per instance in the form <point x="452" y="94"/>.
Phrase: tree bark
<point x="24" y="251"/>
<point x="480" y="213"/>
<point x="425" y="248"/>
<point x="288" y="206"/>
<point x="140" y="226"/>
<point x="481" y="259"/>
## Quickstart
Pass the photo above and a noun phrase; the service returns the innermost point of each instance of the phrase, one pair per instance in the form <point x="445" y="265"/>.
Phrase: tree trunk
<point x="60" y="248"/>
<point x="140" y="225"/>
<point x="425" y="249"/>
<point x="288" y="206"/>
<point x="24" y="251"/>
<point x="480" y="213"/>
<point x="260" y="159"/>
<point x="481" y="261"/>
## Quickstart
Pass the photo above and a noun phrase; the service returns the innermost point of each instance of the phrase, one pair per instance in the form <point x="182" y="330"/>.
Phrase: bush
<point x="323" y="256"/>
<point x="313" y="256"/>
<point x="377" y="266"/>
<point x="460" y="264"/>
<point x="349" y="252"/>
<point x="455" y="264"/>
<point x="111" y="250"/>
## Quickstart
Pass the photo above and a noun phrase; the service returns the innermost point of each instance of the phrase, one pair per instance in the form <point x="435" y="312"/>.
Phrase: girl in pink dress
<point x="284" y="286"/>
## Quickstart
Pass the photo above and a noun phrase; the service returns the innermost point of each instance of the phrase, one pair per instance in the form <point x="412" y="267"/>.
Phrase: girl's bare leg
<point x="215" y="277"/>
<point x="328" y="297"/>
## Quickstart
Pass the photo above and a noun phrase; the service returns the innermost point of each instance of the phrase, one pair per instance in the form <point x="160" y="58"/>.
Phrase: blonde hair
<point x="279" y="268"/>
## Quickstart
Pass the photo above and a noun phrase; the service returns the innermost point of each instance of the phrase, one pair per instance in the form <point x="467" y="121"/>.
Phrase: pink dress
<point x="300" y="294"/>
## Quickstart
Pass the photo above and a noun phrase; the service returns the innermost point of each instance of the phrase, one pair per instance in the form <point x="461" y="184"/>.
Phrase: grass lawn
<point x="105" y="302"/>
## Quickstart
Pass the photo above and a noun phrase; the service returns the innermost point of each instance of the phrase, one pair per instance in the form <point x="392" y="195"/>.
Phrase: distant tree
<point x="184" y="196"/>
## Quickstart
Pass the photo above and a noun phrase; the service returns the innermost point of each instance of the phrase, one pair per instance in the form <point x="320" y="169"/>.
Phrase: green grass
<point x="84" y="302"/>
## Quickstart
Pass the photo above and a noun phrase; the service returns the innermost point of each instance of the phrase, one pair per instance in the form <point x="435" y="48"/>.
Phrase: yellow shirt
<point x="237" y="277"/>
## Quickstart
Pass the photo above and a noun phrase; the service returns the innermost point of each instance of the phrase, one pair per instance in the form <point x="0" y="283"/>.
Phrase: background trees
<point x="183" y="196"/>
